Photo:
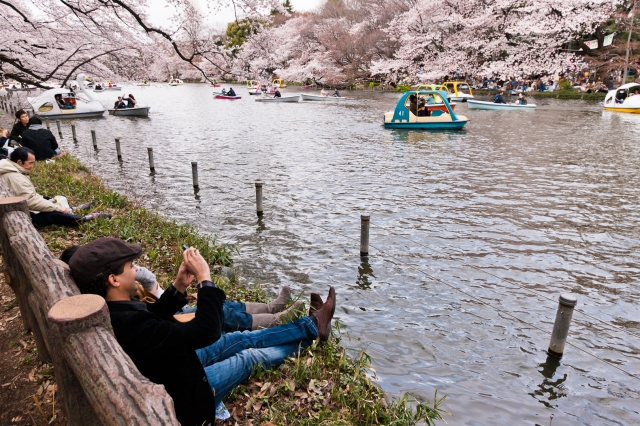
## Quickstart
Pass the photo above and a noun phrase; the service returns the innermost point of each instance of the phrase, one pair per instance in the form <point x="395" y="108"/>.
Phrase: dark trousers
<point x="43" y="219"/>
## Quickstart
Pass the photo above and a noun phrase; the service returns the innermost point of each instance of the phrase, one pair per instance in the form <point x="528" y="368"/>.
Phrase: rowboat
<point x="411" y="112"/>
<point x="130" y="112"/>
<point x="231" y="98"/>
<point x="113" y="88"/>
<point x="623" y="99"/>
<point x="318" y="98"/>
<point x="503" y="107"/>
<point x="47" y="106"/>
<point x="295" y="98"/>
<point x="458" y="90"/>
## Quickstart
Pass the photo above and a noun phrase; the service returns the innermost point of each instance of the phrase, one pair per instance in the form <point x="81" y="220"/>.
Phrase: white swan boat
<point x="623" y="99"/>
<point x="295" y="98"/>
<point x="306" y="97"/>
<point x="130" y="112"/>
<point x="47" y="106"/>
<point x="175" y="82"/>
<point x="502" y="107"/>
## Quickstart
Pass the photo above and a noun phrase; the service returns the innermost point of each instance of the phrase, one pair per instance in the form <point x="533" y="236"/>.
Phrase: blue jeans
<point x="231" y="360"/>
<point x="235" y="316"/>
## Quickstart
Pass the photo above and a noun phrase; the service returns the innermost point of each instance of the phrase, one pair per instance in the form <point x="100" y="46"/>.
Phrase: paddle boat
<point x="277" y="82"/>
<point x="459" y="90"/>
<point x="221" y="96"/>
<point x="47" y="106"/>
<point x="295" y="98"/>
<point x="434" y="102"/>
<point x="623" y="99"/>
<point x="473" y="104"/>
<point x="142" y="111"/>
<point x="306" y="97"/>
<point x="252" y="84"/>
<point x="409" y="115"/>
<point x="175" y="82"/>
<point x="144" y="82"/>
<point x="111" y="86"/>
<point x="271" y="90"/>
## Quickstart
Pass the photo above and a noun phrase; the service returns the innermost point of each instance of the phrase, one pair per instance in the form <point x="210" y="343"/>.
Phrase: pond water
<point x="474" y="235"/>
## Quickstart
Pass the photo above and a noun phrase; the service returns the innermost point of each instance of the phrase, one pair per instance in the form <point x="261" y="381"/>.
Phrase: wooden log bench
<point x="97" y="381"/>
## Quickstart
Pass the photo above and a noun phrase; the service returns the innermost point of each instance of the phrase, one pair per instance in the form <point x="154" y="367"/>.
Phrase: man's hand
<point x="183" y="279"/>
<point x="65" y="211"/>
<point x="196" y="264"/>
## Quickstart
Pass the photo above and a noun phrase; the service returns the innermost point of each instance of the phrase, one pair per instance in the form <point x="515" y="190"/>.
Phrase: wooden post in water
<point x="93" y="138"/>
<point x="152" y="166"/>
<point x="364" y="234"/>
<point x="259" y="209"/>
<point x="561" y="327"/>
<point x="73" y="132"/>
<point x="59" y="129"/>
<point x="194" y="173"/>
<point x="47" y="123"/>
<point x="118" y="149"/>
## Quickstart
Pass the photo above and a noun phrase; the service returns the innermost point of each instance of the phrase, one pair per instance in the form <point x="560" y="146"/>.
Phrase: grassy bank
<point x="324" y="386"/>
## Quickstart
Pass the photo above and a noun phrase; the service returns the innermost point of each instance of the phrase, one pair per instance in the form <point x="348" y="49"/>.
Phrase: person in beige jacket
<point x="15" y="175"/>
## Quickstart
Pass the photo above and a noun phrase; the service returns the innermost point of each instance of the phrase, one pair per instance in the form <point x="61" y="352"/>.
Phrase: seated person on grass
<point x="238" y="316"/>
<point x="197" y="364"/>
<point x="40" y="140"/>
<point x="15" y="175"/>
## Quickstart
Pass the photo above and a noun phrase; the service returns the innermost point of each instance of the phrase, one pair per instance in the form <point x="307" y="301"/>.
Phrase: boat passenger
<point x="277" y="94"/>
<point x="413" y="104"/>
<point x="336" y="94"/>
<point x="621" y="95"/>
<point x="499" y="99"/>
<point x="131" y="101"/>
<point x="61" y="103"/>
<point x="521" y="99"/>
<point x="231" y="92"/>
<point x="323" y="93"/>
<point x="4" y="139"/>
<point x="21" y="125"/>
<point x="224" y="91"/>
<point x="40" y="140"/>
<point x="119" y="104"/>
<point x="635" y="92"/>
<point x="98" y="87"/>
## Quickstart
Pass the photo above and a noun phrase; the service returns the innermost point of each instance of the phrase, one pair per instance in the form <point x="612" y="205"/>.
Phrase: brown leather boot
<point x="325" y="314"/>
<point x="316" y="303"/>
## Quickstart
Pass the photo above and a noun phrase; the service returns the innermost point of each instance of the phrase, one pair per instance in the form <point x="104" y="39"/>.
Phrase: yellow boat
<point x="460" y="90"/>
<point x="624" y="99"/>
<point x="277" y="82"/>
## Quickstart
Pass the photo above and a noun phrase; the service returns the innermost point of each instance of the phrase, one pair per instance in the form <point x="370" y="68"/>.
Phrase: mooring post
<point x="194" y="173"/>
<point x="47" y="123"/>
<point x="567" y="302"/>
<point x="73" y="132"/>
<point x="29" y="113"/>
<point x="118" y="149"/>
<point x="59" y="129"/>
<point x="364" y="234"/>
<point x="152" y="166"/>
<point x="259" y="210"/>
<point x="93" y="138"/>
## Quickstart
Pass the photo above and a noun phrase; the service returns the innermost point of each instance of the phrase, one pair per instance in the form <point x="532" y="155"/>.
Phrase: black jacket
<point x="164" y="350"/>
<point x="17" y="131"/>
<point x="40" y="141"/>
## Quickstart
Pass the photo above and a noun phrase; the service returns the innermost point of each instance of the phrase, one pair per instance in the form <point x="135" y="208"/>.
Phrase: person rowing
<point x="231" y="92"/>
<point x="499" y="99"/>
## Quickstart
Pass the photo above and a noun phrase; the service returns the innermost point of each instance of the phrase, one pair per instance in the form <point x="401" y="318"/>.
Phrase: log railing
<point x="97" y="381"/>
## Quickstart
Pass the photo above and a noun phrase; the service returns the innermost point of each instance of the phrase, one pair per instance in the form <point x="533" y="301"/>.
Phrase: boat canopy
<point x="401" y="112"/>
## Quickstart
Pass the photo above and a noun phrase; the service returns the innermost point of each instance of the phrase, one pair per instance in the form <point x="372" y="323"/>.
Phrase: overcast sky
<point x="160" y="15"/>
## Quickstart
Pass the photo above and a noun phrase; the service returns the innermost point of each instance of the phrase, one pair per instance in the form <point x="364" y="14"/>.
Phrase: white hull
<point x="295" y="98"/>
<point x="461" y="98"/>
<point x="46" y="105"/>
<point x="502" y="107"/>
<point x="113" y="88"/>
<point x="131" y="112"/>
<point x="319" y="98"/>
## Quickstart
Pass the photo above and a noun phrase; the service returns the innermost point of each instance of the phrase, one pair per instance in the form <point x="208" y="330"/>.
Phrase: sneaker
<point x="84" y="206"/>
<point x="96" y="215"/>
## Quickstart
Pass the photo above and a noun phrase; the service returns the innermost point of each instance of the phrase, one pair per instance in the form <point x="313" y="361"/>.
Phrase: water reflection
<point x="551" y="387"/>
<point x="365" y="274"/>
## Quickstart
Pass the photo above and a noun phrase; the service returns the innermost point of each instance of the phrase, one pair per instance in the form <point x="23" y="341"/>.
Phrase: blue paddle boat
<point x="413" y="112"/>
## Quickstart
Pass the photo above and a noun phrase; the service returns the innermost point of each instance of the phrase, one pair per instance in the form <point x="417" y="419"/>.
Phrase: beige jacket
<point x="18" y="180"/>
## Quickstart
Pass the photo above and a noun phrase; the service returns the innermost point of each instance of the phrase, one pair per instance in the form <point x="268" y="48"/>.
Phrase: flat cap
<point x="99" y="257"/>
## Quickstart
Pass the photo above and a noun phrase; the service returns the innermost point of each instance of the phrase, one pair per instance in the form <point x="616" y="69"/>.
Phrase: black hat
<point x="35" y="120"/>
<point x="102" y="256"/>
